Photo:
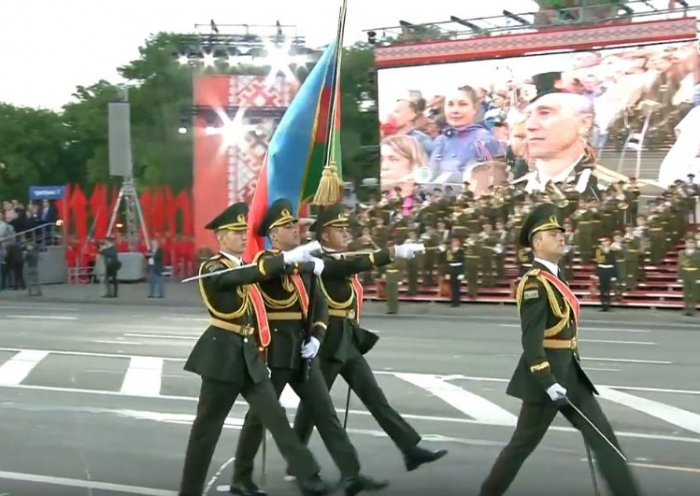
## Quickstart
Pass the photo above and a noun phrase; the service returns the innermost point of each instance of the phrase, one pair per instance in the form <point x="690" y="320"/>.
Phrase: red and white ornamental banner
<point x="229" y="151"/>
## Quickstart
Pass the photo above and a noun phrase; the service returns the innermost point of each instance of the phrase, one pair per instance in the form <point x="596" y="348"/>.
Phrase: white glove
<point x="318" y="265"/>
<point x="408" y="250"/>
<point x="299" y="254"/>
<point x="309" y="350"/>
<point x="311" y="247"/>
<point x="556" y="392"/>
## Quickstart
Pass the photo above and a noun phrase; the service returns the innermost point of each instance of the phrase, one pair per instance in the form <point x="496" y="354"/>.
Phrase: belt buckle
<point x="574" y="343"/>
<point x="248" y="330"/>
<point x="351" y="314"/>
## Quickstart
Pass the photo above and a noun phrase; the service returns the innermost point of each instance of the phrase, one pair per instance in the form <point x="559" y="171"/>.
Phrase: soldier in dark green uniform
<point x="606" y="270"/>
<point x="549" y="374"/>
<point x="689" y="273"/>
<point x="298" y="320"/>
<point x="392" y="279"/>
<point x="227" y="356"/>
<point x="346" y="342"/>
<point x="455" y="269"/>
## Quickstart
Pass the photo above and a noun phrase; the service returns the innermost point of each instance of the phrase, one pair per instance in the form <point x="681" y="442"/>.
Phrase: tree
<point x="33" y="151"/>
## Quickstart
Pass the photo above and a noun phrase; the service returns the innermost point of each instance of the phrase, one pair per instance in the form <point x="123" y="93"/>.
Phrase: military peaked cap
<point x="278" y="214"/>
<point x="333" y="216"/>
<point x="544" y="217"/>
<point x="547" y="83"/>
<point x="231" y="219"/>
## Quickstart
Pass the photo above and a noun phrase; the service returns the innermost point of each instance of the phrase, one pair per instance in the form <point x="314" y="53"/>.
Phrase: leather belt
<point x="242" y="330"/>
<point x="343" y="314"/>
<point x="271" y="316"/>
<point x="560" y="344"/>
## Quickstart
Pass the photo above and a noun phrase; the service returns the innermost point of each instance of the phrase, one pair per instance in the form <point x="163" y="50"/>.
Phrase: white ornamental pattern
<point x="246" y="160"/>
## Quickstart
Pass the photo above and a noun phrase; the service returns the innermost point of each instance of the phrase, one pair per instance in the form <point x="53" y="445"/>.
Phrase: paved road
<point x="95" y="401"/>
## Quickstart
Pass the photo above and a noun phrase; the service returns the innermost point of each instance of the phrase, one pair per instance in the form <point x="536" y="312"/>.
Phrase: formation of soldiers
<point x="468" y="239"/>
<point x="293" y="316"/>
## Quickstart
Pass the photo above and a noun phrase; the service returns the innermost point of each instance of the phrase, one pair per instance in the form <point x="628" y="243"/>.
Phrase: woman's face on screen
<point x="395" y="167"/>
<point x="459" y="109"/>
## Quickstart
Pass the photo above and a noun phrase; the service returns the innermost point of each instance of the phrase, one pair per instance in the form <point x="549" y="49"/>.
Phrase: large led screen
<point x="445" y="124"/>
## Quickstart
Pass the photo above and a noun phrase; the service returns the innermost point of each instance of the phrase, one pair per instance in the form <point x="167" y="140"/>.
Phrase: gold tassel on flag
<point x="330" y="187"/>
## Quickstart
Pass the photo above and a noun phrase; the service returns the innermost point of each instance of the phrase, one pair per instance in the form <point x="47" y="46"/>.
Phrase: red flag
<point x="78" y="207"/>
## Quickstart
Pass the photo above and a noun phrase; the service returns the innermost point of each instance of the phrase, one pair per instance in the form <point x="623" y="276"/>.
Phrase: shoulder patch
<point x="530" y="294"/>
<point x="532" y="285"/>
<point x="213" y="266"/>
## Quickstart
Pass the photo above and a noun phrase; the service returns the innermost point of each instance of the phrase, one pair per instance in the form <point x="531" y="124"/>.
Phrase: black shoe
<point x="314" y="486"/>
<point x="418" y="456"/>
<point x="288" y="476"/>
<point x="359" y="483"/>
<point x="246" y="489"/>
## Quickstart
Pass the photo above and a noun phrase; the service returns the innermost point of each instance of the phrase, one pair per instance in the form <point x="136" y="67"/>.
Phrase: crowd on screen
<point x="445" y="135"/>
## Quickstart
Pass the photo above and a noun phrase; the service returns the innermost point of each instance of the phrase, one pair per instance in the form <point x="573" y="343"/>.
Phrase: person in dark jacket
<point x="31" y="270"/>
<point x="154" y="258"/>
<point x="112" y="265"/>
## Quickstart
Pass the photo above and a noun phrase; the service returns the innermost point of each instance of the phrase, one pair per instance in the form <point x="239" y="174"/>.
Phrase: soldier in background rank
<point x="472" y="255"/>
<point x="455" y="269"/>
<point x="606" y="270"/>
<point x="549" y="377"/>
<point x="298" y="319"/>
<point x="689" y="274"/>
<point x="392" y="280"/>
<point x="227" y="356"/>
<point x="346" y="343"/>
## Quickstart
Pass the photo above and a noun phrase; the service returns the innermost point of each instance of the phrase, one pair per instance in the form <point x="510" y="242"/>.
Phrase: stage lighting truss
<point x="278" y="52"/>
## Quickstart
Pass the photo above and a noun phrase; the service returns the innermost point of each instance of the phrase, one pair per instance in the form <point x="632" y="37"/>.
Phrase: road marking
<point x="17" y="368"/>
<point x="595" y="329"/>
<point x="671" y="468"/>
<point x="42" y="317"/>
<point x="626" y="360"/>
<point x="611" y="341"/>
<point x="159" y="336"/>
<point x="143" y="377"/>
<point x="288" y="398"/>
<point x="596" y="369"/>
<point x="38" y="308"/>
<point x="675" y="416"/>
<point x="465" y="401"/>
<point x="85" y="484"/>
<point x="107" y="341"/>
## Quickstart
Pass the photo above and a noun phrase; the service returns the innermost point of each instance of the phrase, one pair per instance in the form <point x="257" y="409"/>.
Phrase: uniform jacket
<point x="544" y="314"/>
<point x="288" y="325"/>
<point x="222" y="354"/>
<point x="345" y="338"/>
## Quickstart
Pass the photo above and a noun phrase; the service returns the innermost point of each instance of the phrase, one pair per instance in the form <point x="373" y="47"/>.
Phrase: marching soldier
<point x="549" y="377"/>
<point x="298" y="321"/>
<point x="346" y="343"/>
<point x="228" y="359"/>
<point x="455" y="259"/>
<point x="606" y="270"/>
<point x="689" y="273"/>
<point x="392" y="281"/>
<point x="472" y="257"/>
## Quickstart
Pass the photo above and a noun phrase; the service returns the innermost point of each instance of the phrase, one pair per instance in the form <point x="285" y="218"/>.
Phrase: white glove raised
<point x="301" y="253"/>
<point x="408" y="250"/>
<point x="318" y="265"/>
<point x="309" y="350"/>
<point x="556" y="392"/>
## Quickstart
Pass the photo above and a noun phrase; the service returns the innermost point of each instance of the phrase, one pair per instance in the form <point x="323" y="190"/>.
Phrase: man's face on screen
<point x="553" y="126"/>
<point x="404" y="114"/>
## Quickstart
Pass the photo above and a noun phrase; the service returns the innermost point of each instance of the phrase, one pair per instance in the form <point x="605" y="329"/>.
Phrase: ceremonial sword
<point x="577" y="410"/>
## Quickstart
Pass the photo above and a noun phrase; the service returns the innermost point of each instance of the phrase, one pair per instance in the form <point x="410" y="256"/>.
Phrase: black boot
<point x="314" y="486"/>
<point x="246" y="489"/>
<point x="417" y="456"/>
<point x="359" y="483"/>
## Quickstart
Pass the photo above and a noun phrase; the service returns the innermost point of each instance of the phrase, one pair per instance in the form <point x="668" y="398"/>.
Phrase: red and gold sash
<point x="359" y="294"/>
<point x="301" y="291"/>
<point x="260" y="315"/>
<point x="565" y="292"/>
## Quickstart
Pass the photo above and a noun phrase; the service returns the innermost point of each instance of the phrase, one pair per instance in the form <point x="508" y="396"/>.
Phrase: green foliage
<point x="44" y="147"/>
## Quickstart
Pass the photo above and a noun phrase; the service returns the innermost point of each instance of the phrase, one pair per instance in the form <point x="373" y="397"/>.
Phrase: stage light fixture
<point x="372" y="37"/>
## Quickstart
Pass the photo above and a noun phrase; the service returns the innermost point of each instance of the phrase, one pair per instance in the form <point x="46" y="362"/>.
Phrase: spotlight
<point x="372" y="37"/>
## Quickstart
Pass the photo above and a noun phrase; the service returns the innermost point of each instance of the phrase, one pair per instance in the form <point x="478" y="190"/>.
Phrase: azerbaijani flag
<point x="297" y="152"/>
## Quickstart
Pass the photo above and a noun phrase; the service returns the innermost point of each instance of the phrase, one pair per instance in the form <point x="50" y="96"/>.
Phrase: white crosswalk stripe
<point x="438" y="398"/>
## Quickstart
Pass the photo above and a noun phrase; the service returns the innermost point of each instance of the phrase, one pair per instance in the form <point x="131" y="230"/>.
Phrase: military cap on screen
<point x="333" y="216"/>
<point x="544" y="217"/>
<point x="231" y="219"/>
<point x="278" y="214"/>
<point x="546" y="83"/>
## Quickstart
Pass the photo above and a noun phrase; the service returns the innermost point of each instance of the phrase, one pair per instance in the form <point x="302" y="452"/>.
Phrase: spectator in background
<point x="401" y="157"/>
<point x="3" y="271"/>
<point x="31" y="270"/>
<point x="112" y="266"/>
<point x="15" y="264"/>
<point x="406" y="113"/>
<point x="156" y="288"/>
